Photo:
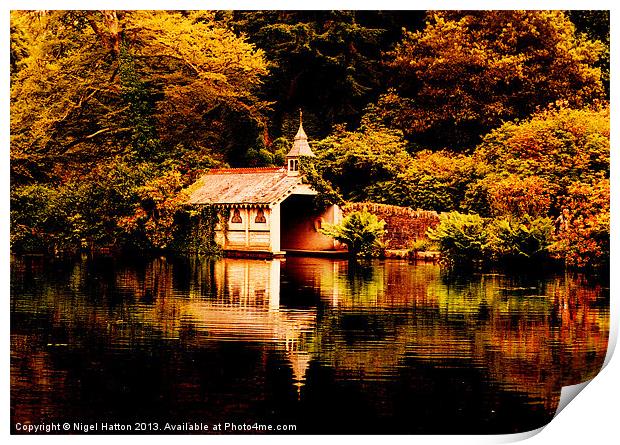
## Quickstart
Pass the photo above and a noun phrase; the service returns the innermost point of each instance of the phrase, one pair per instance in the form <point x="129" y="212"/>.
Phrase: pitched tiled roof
<point x="243" y="186"/>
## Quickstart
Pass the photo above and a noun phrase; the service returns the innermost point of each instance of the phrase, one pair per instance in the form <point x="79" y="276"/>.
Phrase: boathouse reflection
<point x="365" y="323"/>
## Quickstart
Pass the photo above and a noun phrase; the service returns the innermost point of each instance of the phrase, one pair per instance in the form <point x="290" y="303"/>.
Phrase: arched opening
<point x="298" y="224"/>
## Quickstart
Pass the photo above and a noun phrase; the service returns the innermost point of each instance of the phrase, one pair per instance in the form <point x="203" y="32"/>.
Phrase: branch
<point x="91" y="136"/>
<point x="78" y="105"/>
<point x="182" y="59"/>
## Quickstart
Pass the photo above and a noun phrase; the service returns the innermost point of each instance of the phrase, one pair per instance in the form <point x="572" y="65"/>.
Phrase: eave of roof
<point x="242" y="186"/>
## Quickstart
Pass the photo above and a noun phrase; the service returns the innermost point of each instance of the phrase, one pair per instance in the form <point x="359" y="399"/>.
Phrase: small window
<point x="293" y="165"/>
<point x="260" y="216"/>
<point x="318" y="224"/>
<point x="236" y="217"/>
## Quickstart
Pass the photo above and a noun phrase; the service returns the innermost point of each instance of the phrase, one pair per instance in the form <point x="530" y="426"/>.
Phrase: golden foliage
<point x="67" y="94"/>
<point x="469" y="70"/>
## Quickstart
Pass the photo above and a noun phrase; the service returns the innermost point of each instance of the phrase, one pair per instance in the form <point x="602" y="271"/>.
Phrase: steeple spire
<point x="301" y="134"/>
<point x="300" y="148"/>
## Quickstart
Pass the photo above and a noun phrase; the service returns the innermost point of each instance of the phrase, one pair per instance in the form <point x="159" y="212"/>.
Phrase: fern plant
<point x="361" y="231"/>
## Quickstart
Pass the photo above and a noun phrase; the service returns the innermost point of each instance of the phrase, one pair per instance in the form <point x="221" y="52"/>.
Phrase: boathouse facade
<point x="267" y="210"/>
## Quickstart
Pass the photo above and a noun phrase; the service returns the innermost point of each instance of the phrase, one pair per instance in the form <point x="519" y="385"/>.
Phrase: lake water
<point x="384" y="347"/>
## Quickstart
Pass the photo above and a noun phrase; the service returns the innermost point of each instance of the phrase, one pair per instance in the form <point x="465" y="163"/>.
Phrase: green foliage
<point x="139" y="114"/>
<point x="84" y="209"/>
<point x="274" y="155"/>
<point x="361" y="231"/>
<point x="33" y="218"/>
<point x="527" y="239"/>
<point x="194" y="231"/>
<point x="412" y="189"/>
<point x="373" y="164"/>
<point x="461" y="238"/>
<point x="327" y="195"/>
<point x="432" y="181"/>
<point x="470" y="239"/>
<point x="354" y="161"/>
<point x="421" y="245"/>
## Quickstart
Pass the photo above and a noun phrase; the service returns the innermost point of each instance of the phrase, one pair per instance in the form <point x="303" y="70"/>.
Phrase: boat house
<point x="267" y="211"/>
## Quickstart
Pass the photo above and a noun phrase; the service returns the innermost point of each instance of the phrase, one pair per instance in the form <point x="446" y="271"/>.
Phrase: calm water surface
<point x="386" y="347"/>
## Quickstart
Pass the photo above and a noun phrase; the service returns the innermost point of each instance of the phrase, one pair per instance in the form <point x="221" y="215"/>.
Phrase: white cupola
<point x="300" y="148"/>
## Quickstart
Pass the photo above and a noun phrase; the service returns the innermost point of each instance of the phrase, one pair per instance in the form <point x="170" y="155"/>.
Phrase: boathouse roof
<point x="239" y="186"/>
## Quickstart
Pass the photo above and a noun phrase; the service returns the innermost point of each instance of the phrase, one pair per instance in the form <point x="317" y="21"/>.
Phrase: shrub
<point x="353" y="161"/>
<point x="462" y="238"/>
<point x="521" y="239"/>
<point x="85" y="208"/>
<point x="420" y="245"/>
<point x="432" y="181"/>
<point x="153" y="218"/>
<point x="584" y="240"/>
<point x="361" y="231"/>
<point x="518" y="197"/>
<point x="33" y="218"/>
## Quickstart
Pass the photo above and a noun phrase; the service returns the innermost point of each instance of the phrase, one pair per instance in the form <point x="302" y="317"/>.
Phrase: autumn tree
<point x="466" y="72"/>
<point x="63" y="108"/>
<point x="584" y="240"/>
<point x="207" y="78"/>
<point x="105" y="102"/>
<point x="555" y="164"/>
<point x="76" y="93"/>
<point x="501" y="194"/>
<point x="559" y="146"/>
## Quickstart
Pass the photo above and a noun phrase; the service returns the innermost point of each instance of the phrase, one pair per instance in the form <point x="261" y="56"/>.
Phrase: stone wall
<point x="403" y="224"/>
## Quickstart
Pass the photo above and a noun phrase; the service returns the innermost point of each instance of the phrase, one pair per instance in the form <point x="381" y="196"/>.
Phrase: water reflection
<point x="384" y="347"/>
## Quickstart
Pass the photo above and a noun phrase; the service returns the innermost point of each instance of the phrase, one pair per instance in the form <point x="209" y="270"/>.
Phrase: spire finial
<point x="301" y="134"/>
